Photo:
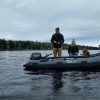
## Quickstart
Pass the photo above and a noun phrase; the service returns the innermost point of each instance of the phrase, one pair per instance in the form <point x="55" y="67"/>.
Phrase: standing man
<point x="57" y="40"/>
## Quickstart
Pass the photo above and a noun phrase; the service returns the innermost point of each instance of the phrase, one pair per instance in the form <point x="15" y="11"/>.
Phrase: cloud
<point x="37" y="19"/>
<point x="7" y="36"/>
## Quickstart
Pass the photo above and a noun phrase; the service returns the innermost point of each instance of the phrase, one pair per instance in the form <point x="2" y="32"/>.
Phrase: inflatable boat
<point x="37" y="62"/>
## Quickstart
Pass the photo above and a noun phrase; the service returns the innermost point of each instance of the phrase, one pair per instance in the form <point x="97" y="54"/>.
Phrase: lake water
<point x="19" y="84"/>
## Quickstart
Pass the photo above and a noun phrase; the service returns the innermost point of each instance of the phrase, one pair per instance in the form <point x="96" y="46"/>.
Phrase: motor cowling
<point x="35" y="56"/>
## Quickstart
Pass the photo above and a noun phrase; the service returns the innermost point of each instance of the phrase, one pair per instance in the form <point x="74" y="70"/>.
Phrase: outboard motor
<point x="35" y="56"/>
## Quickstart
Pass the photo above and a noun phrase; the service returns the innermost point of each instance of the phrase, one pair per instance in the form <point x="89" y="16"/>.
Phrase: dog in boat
<point x="85" y="52"/>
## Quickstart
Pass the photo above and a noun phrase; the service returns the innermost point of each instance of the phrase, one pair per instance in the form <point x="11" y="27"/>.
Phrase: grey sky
<point x="37" y="20"/>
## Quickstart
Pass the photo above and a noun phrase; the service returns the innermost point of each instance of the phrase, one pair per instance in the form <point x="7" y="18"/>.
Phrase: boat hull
<point x="65" y="63"/>
<point x="68" y="66"/>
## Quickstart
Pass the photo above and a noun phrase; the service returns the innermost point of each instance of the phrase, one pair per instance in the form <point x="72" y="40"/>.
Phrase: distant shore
<point x="14" y="45"/>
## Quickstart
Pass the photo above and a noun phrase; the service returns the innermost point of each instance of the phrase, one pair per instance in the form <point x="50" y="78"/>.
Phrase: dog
<point x="85" y="52"/>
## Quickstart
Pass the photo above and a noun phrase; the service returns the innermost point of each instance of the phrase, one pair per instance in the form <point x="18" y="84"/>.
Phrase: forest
<point x="32" y="45"/>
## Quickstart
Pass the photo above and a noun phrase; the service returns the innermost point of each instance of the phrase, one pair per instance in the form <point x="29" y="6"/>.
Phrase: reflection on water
<point x="72" y="85"/>
<point x="19" y="84"/>
<point x="57" y="81"/>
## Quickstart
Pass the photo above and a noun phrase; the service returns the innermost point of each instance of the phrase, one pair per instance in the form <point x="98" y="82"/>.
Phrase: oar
<point x="66" y="57"/>
<point x="47" y="55"/>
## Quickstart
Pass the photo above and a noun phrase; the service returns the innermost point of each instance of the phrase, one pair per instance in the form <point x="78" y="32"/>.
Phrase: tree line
<point x="32" y="45"/>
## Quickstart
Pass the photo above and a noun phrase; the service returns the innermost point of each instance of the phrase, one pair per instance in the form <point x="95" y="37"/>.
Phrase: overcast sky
<point x="37" y="20"/>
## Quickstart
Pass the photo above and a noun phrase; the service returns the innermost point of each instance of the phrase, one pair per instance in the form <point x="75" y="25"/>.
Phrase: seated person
<point x="73" y="49"/>
<point x="85" y="52"/>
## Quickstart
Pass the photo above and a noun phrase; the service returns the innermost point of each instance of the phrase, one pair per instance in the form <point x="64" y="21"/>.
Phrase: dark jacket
<point x="58" y="37"/>
<point x="73" y="50"/>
